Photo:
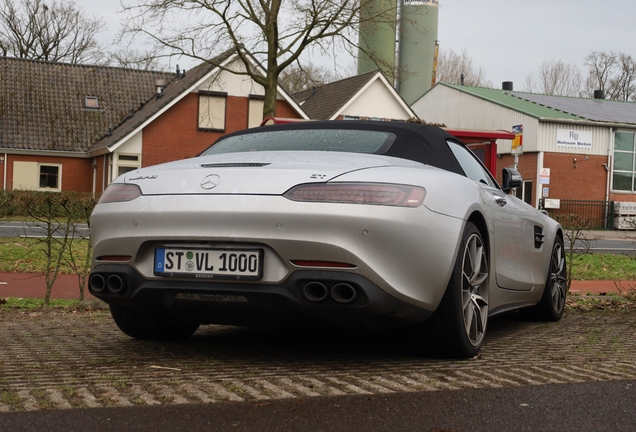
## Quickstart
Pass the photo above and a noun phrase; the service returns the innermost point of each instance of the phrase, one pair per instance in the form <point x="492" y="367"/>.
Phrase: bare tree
<point x="601" y="66"/>
<point x="623" y="84"/>
<point x="300" y="77"/>
<point x="275" y="32"/>
<point x="557" y="78"/>
<point x="58" y="32"/>
<point x="133" y="59"/>
<point x="454" y="68"/>
<point x="614" y="73"/>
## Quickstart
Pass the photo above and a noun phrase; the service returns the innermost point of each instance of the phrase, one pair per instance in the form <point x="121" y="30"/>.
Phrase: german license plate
<point x="206" y="263"/>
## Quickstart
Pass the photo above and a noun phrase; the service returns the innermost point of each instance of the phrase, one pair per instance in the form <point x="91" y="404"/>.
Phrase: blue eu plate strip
<point x="160" y="256"/>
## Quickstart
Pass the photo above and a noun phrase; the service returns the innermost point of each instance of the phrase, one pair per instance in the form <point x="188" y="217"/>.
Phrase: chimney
<point x="599" y="94"/>
<point x="159" y="84"/>
<point x="506" y="85"/>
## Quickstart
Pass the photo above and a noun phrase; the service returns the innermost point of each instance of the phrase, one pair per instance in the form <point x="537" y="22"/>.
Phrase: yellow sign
<point x="517" y="143"/>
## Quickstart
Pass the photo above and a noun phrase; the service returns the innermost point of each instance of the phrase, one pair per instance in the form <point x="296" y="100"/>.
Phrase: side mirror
<point x="511" y="179"/>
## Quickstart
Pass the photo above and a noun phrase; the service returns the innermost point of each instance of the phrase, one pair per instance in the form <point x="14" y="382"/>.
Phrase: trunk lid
<point x="263" y="173"/>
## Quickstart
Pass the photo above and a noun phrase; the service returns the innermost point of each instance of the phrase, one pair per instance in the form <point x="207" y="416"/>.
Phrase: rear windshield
<point x="340" y="140"/>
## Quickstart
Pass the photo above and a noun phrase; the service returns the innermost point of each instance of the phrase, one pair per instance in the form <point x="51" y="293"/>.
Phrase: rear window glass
<point x="340" y="140"/>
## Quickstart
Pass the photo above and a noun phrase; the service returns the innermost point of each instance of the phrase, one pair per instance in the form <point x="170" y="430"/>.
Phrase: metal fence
<point x="584" y="214"/>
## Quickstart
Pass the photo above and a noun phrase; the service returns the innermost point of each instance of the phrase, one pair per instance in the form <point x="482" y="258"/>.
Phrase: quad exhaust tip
<point x="113" y="283"/>
<point x="341" y="292"/>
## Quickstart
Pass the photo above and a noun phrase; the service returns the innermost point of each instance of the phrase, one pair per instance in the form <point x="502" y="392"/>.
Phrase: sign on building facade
<point x="574" y="138"/>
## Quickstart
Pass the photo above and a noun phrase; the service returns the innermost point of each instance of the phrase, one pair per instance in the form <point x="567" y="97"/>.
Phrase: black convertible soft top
<point x="417" y="142"/>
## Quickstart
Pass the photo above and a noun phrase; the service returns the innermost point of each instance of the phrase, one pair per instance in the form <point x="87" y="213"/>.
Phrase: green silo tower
<point x="378" y="37"/>
<point x="417" y="48"/>
<point x="416" y="43"/>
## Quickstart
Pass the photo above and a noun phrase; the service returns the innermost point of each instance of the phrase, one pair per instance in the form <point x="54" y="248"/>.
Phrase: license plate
<point x="205" y="263"/>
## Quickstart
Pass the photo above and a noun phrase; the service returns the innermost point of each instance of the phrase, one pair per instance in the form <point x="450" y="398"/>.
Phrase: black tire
<point x="458" y="326"/>
<point x="552" y="303"/>
<point x="141" y="327"/>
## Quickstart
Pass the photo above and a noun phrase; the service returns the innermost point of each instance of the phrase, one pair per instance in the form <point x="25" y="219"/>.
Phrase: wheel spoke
<point x="475" y="290"/>
<point x="479" y="279"/>
<point x="466" y="296"/>
<point x="468" y="319"/>
<point x="479" y="301"/>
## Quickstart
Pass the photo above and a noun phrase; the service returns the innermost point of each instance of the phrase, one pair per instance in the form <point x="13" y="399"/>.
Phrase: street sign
<point x="517" y="143"/>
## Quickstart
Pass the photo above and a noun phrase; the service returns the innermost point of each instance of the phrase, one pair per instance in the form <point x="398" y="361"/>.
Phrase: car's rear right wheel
<point x="458" y="326"/>
<point x="142" y="327"/>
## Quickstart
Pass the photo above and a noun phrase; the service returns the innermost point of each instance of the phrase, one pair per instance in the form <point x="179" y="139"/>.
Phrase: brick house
<point x="368" y="96"/>
<point x="572" y="148"/>
<point x="78" y="127"/>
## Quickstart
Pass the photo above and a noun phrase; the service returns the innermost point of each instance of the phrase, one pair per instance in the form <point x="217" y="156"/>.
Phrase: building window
<point x="91" y="102"/>
<point x="37" y="176"/>
<point x="127" y="163"/>
<point x="255" y="115"/>
<point x="212" y="110"/>
<point x="623" y="169"/>
<point x="49" y="177"/>
<point x="525" y="192"/>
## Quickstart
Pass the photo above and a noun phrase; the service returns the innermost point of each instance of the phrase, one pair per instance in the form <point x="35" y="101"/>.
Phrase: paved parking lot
<point x="64" y="359"/>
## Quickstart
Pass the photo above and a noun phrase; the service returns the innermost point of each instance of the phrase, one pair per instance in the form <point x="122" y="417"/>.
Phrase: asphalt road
<point x="22" y="229"/>
<point x="604" y="406"/>
<point x="615" y="246"/>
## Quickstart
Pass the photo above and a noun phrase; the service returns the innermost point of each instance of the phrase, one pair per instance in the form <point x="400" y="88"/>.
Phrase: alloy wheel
<point x="558" y="280"/>
<point x="475" y="289"/>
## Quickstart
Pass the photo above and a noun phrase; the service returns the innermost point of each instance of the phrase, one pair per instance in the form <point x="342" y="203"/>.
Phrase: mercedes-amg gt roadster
<point x="342" y="224"/>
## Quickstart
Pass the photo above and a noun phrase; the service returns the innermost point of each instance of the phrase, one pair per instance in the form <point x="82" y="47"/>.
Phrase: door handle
<point x="501" y="201"/>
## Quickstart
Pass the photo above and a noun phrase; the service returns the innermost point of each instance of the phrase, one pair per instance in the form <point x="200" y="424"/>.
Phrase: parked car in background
<point x="337" y="223"/>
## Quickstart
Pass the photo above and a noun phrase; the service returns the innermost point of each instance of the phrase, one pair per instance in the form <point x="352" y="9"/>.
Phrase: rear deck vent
<point x="538" y="237"/>
<point x="234" y="165"/>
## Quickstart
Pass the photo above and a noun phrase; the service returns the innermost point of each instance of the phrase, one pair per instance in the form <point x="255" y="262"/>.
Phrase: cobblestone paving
<point x="54" y="359"/>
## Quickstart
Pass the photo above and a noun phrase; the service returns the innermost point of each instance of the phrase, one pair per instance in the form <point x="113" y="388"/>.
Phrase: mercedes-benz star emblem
<point x="210" y="182"/>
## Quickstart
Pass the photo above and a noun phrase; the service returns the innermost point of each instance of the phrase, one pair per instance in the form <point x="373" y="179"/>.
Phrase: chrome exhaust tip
<point x="97" y="283"/>
<point x="115" y="283"/>
<point x="344" y="293"/>
<point x="315" y="291"/>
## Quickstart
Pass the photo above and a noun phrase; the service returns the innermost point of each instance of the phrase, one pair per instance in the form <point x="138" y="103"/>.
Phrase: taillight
<point x="359" y="193"/>
<point x="119" y="192"/>
<point x="121" y="258"/>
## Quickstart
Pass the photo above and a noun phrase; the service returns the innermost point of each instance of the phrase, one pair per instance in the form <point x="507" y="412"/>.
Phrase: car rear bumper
<point x="408" y="253"/>
<point x="355" y="301"/>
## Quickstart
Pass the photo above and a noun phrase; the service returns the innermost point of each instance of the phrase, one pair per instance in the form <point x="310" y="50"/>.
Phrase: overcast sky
<point x="509" y="39"/>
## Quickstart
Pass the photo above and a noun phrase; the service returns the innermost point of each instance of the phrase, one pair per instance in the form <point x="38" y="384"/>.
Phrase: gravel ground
<point x="70" y="358"/>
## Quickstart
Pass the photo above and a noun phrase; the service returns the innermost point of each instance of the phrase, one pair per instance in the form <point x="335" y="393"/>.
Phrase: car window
<point x="473" y="168"/>
<point x="343" y="140"/>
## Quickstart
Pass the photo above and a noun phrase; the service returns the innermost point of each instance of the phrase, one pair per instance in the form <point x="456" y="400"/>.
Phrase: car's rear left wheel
<point x="458" y="326"/>
<point x="142" y="327"/>
<point x="552" y="303"/>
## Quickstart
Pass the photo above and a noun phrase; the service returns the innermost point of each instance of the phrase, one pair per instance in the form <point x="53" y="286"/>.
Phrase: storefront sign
<point x="551" y="203"/>
<point x="574" y="138"/>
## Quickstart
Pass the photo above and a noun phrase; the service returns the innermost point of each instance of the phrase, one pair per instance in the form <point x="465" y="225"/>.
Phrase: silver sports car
<point x="345" y="223"/>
